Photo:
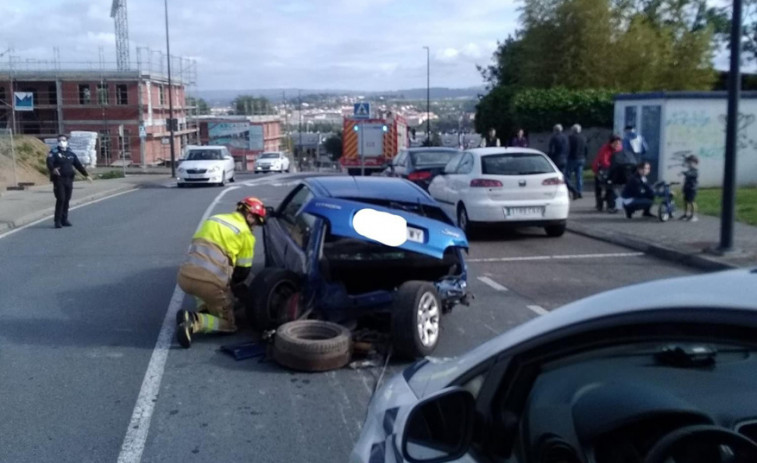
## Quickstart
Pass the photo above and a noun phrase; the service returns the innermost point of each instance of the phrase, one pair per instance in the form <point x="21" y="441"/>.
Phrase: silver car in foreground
<point x="655" y="372"/>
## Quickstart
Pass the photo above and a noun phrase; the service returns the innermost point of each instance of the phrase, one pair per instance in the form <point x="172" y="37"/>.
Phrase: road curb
<point x="82" y="201"/>
<point x="701" y="262"/>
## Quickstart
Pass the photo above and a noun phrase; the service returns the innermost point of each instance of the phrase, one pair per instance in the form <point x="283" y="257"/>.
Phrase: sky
<point x="363" y="45"/>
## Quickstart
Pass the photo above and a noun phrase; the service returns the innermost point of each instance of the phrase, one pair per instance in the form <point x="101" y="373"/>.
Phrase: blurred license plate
<point x="415" y="235"/>
<point x="524" y="212"/>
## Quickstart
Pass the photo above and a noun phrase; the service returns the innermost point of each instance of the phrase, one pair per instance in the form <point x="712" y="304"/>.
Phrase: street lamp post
<point x="731" y="133"/>
<point x="12" y="108"/>
<point x="428" y="96"/>
<point x="170" y="99"/>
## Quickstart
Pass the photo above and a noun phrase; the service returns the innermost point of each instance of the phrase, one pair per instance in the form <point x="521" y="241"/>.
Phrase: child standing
<point x="690" y="182"/>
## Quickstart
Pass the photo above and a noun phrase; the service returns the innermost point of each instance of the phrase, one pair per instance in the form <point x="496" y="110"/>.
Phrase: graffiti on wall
<point x="702" y="134"/>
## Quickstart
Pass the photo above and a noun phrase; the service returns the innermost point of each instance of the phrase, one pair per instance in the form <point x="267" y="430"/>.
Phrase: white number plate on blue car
<point x="415" y="235"/>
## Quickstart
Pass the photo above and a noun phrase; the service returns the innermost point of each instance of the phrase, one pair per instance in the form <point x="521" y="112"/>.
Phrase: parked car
<point x="205" y="164"/>
<point x="348" y="248"/>
<point x="504" y="186"/>
<point x="657" y="372"/>
<point x="420" y="165"/>
<point x="271" y="162"/>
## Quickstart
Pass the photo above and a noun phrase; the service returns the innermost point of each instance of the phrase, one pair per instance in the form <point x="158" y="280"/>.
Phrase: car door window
<point x="301" y="229"/>
<point x="466" y="165"/>
<point x="291" y="218"/>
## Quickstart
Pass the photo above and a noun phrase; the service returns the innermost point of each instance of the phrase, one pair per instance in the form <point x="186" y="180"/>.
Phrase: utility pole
<point x="428" y="96"/>
<point x="12" y="107"/>
<point x="171" y="127"/>
<point x="299" y="97"/>
<point x="731" y="133"/>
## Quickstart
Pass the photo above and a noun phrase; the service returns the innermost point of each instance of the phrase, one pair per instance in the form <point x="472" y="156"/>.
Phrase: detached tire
<point x="273" y="298"/>
<point x="312" y="345"/>
<point x="416" y="319"/>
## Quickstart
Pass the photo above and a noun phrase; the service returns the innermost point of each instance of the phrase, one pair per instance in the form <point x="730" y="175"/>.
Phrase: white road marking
<point x="18" y="229"/>
<point x="139" y="425"/>
<point x="539" y="310"/>
<point x="558" y="257"/>
<point x="492" y="283"/>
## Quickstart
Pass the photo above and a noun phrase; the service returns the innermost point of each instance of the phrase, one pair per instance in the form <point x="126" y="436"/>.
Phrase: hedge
<point x="540" y="109"/>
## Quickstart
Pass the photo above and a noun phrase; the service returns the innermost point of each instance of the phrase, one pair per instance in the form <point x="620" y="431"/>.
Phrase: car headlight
<point x="214" y="169"/>
<point x="180" y="170"/>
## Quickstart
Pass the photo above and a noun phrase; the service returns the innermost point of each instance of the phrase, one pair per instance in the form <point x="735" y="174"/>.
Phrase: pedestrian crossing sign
<point x="362" y="110"/>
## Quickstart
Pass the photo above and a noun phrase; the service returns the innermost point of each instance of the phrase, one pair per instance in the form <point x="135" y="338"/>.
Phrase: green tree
<point x="250" y="105"/>
<point x="202" y="106"/>
<point x="333" y="145"/>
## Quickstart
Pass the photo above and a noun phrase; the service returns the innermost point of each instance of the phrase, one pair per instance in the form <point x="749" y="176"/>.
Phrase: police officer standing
<point x="61" y="162"/>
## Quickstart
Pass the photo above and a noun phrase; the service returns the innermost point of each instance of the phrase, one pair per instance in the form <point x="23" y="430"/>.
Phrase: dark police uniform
<point x="65" y="161"/>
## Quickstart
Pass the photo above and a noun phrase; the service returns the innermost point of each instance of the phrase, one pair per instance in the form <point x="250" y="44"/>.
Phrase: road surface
<point x="82" y="309"/>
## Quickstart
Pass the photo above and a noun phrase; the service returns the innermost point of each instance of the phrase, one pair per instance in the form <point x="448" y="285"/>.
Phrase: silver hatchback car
<point x="655" y="372"/>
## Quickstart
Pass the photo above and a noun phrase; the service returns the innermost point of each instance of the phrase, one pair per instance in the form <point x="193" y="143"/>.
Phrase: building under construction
<point x="107" y="99"/>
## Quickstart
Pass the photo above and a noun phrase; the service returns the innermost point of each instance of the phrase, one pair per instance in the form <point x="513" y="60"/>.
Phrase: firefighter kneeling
<point x="220" y="258"/>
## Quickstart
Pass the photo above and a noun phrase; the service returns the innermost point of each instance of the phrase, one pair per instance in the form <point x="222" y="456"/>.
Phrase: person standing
<point x="218" y="262"/>
<point x="634" y="145"/>
<point x="62" y="163"/>
<point x="603" y="192"/>
<point x="559" y="147"/>
<point x="577" y="159"/>
<point x="690" y="184"/>
<point x="490" y="140"/>
<point x="520" y="140"/>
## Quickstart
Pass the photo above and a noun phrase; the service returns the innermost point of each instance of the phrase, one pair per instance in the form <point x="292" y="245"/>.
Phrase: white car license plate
<point x="524" y="212"/>
<point x="415" y="235"/>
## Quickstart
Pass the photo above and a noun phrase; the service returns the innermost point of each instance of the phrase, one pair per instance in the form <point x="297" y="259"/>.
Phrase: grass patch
<point x="710" y="200"/>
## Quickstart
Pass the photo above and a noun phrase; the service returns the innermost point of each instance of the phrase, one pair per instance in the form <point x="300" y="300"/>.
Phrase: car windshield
<point x="269" y="156"/>
<point x="431" y="212"/>
<point x="431" y="158"/>
<point x="515" y="164"/>
<point x="204" y="155"/>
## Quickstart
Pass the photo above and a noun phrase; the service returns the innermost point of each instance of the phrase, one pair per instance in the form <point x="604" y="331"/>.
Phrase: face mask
<point x="62" y="144"/>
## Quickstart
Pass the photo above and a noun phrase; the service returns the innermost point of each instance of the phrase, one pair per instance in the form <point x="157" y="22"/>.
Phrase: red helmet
<point x="253" y="206"/>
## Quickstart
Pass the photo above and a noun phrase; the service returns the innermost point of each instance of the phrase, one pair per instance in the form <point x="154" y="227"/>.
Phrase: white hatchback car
<point x="206" y="164"/>
<point x="272" y="162"/>
<point x="510" y="186"/>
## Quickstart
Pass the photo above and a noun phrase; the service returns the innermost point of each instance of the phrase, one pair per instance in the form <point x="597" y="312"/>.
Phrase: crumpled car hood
<point x="340" y="214"/>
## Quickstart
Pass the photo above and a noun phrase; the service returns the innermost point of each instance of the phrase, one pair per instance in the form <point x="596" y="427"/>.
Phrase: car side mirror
<point x="440" y="428"/>
<point x="270" y="211"/>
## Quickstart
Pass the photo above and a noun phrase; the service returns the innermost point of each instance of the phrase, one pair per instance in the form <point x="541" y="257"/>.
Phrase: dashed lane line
<point x="488" y="281"/>
<point x="537" y="309"/>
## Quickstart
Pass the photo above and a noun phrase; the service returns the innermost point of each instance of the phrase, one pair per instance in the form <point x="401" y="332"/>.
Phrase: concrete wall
<point x="697" y="126"/>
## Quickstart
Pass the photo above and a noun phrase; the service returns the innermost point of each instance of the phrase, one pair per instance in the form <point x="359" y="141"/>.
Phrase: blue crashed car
<point x="344" y="248"/>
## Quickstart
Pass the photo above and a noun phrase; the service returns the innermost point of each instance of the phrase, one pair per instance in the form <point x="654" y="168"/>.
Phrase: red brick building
<point x="245" y="136"/>
<point x="102" y="101"/>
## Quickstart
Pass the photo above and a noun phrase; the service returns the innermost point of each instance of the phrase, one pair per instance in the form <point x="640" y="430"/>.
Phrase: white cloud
<point x="355" y="44"/>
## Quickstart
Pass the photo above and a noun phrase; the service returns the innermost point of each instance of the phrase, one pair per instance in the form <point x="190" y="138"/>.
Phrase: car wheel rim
<point x="428" y="320"/>
<point x="280" y="299"/>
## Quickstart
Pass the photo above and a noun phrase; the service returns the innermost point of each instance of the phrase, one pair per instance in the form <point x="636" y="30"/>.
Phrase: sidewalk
<point x="678" y="241"/>
<point x="19" y="208"/>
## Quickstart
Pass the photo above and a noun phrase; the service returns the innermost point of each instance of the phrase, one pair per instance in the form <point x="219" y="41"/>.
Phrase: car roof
<point x="393" y="189"/>
<point x="432" y="148"/>
<point x="707" y="293"/>
<point x="204" y="147"/>
<point x="502" y="150"/>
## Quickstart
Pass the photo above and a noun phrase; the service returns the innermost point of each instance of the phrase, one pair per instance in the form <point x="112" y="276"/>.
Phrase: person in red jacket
<point x="601" y="167"/>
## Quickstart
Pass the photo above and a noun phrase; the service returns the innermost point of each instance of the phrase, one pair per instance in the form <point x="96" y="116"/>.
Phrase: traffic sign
<point x="142" y="132"/>
<point x="362" y="110"/>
